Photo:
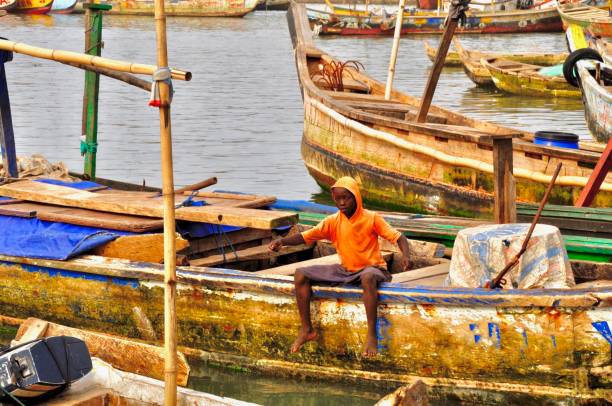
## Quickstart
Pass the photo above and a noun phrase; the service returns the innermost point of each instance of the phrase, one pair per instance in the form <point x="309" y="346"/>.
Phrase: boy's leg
<point x="302" y="295"/>
<point x="370" y="278"/>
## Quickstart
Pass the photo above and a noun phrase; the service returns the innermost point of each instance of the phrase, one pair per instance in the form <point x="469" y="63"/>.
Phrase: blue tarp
<point x="303" y="205"/>
<point x="24" y="237"/>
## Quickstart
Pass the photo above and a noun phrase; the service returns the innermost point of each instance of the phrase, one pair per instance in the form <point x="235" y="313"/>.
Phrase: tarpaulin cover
<point x="555" y="70"/>
<point x="25" y="237"/>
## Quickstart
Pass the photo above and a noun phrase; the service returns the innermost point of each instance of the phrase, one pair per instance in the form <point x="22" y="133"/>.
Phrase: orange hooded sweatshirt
<point x="355" y="239"/>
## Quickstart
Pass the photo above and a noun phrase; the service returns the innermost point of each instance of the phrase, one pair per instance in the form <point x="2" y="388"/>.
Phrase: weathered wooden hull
<point x="530" y="82"/>
<point x="32" y="7"/>
<point x="492" y="346"/>
<point x="596" y="21"/>
<point x="526" y="21"/>
<point x="597" y="106"/>
<point x="186" y="8"/>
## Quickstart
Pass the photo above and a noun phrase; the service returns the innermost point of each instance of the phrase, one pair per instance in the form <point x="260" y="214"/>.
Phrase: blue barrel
<point x="556" y="139"/>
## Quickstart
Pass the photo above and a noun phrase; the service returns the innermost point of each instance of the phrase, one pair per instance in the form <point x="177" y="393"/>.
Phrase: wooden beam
<point x="127" y="355"/>
<point x="147" y="207"/>
<point x="7" y="138"/>
<point x="139" y="248"/>
<point x="597" y="177"/>
<point x="504" y="187"/>
<point x="249" y="254"/>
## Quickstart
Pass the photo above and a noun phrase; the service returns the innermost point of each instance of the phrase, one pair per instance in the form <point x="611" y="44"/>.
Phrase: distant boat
<point x="528" y="80"/>
<point x="595" y="21"/>
<point x="32" y="6"/>
<point x="452" y="57"/>
<point x="6" y="5"/>
<point x="186" y="8"/>
<point x="63" y="6"/>
<point x="273" y="5"/>
<point x="518" y="21"/>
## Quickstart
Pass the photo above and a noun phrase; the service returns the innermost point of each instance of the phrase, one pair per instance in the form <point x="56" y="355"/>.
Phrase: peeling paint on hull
<point x="520" y="343"/>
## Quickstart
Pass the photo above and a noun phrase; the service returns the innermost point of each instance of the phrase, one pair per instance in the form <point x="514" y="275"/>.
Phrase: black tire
<point x="569" y="66"/>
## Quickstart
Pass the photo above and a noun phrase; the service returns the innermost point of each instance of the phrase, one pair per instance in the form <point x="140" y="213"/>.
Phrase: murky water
<point x="240" y="119"/>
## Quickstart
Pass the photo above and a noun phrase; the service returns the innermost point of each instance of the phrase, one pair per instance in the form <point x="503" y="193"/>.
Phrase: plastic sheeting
<point x="33" y="238"/>
<point x="480" y="254"/>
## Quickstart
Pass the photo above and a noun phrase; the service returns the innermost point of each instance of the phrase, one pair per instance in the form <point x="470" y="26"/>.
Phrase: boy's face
<point x="345" y="201"/>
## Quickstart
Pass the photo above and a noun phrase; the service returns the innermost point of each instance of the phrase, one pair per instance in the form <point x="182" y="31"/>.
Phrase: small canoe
<point x="452" y="57"/>
<point x="32" y="6"/>
<point x="527" y="80"/>
<point x="63" y="6"/>
<point x="481" y="76"/>
<point x="594" y="20"/>
<point x="6" y="5"/>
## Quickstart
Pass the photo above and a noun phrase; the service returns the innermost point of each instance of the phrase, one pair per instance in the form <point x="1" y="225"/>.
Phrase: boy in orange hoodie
<point x="354" y="231"/>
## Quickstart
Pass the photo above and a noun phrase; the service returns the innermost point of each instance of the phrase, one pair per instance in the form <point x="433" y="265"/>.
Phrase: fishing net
<point x="38" y="166"/>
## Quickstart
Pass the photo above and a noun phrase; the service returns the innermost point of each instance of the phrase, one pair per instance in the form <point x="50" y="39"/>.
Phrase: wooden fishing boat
<point x="6" y="5"/>
<point x="521" y="21"/>
<point x="32" y="7"/>
<point x="596" y="87"/>
<point x="414" y="166"/>
<point x="480" y="75"/>
<point x="63" y="6"/>
<point x="596" y="21"/>
<point x="273" y="5"/>
<point x="527" y="80"/>
<point x="248" y="319"/>
<point x="186" y="8"/>
<point x="452" y="58"/>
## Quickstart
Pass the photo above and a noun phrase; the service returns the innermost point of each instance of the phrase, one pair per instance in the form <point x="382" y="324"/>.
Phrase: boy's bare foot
<point x="371" y="348"/>
<point x="303" y="337"/>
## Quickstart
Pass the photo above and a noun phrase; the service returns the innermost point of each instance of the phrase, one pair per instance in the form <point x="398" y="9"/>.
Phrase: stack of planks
<point x="136" y="212"/>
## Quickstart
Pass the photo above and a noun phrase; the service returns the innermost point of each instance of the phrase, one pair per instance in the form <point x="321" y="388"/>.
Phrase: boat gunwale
<point x="390" y="293"/>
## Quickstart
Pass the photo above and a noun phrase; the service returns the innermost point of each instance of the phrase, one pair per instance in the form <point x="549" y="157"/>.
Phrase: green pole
<point x="93" y="46"/>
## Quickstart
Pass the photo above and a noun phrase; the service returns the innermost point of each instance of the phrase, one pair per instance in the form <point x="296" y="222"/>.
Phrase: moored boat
<point x="6" y="5"/>
<point x="63" y="6"/>
<point x="596" y="21"/>
<point x="528" y="80"/>
<point x="480" y="75"/>
<point x="452" y="58"/>
<point x="186" y="8"/>
<point x="519" y="21"/>
<point x="415" y="165"/>
<point x="32" y="6"/>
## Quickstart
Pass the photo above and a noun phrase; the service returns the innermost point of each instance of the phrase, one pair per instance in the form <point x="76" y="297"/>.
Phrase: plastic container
<point x="556" y="139"/>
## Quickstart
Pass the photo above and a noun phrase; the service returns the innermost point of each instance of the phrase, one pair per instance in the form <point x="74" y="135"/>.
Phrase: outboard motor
<point x="42" y="367"/>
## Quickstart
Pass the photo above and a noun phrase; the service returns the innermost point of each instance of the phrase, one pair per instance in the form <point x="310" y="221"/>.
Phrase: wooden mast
<point x="168" y="202"/>
<point x="396" y="39"/>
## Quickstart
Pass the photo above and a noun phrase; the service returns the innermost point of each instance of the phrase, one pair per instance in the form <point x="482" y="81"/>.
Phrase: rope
<point x="219" y="236"/>
<point x="161" y="75"/>
<point x="88" y="147"/>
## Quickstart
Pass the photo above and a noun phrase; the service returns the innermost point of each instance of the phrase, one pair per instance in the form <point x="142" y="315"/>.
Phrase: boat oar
<point x="498" y="281"/>
<point x="455" y="14"/>
<point x="192" y="188"/>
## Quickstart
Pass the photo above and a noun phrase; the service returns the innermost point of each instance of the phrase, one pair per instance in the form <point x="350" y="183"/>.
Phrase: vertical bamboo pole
<point x="169" y="225"/>
<point x="93" y="46"/>
<point x="396" y="39"/>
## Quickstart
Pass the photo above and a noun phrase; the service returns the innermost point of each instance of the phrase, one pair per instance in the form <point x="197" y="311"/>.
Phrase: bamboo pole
<point x="169" y="221"/>
<point x="59" y="55"/>
<point x="396" y="40"/>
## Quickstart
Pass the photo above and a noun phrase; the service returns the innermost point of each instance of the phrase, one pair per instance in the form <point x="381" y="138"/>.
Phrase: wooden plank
<point x="7" y="138"/>
<point x="504" y="183"/>
<point x="249" y="254"/>
<point x="422" y="273"/>
<point x="214" y="242"/>
<point x="84" y="217"/>
<point x="35" y="329"/>
<point x="9" y="201"/>
<point x="139" y="248"/>
<point x="127" y="355"/>
<point x="597" y="177"/>
<point x="326" y="260"/>
<point x="63" y="196"/>
<point x="11" y="211"/>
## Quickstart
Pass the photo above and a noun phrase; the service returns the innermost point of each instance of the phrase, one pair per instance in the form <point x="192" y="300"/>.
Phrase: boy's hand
<point x="275" y="245"/>
<point x="405" y="263"/>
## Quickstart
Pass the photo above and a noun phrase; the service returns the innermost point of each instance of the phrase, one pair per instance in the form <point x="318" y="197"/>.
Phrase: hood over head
<point x="351" y="185"/>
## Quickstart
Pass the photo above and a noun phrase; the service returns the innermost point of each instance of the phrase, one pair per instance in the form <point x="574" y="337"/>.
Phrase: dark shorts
<point x="335" y="274"/>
